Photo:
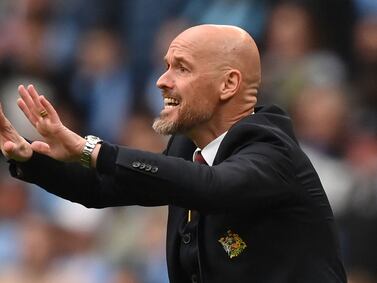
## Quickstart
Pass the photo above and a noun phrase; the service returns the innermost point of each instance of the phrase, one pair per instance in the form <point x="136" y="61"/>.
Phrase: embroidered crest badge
<point x="232" y="244"/>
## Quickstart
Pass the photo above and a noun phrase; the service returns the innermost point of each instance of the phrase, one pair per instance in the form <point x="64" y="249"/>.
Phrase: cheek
<point x="205" y="86"/>
<point x="198" y="91"/>
<point x="208" y="92"/>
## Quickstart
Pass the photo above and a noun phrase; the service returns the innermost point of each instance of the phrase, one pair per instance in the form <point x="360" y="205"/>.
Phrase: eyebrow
<point x="179" y="59"/>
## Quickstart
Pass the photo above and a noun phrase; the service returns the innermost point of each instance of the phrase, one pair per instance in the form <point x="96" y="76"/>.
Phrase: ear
<point x="231" y="84"/>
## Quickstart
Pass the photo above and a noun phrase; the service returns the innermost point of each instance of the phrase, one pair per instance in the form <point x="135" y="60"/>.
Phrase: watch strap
<point x="86" y="154"/>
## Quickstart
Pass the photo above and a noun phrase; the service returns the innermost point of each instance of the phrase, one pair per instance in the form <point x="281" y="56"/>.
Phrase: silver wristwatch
<point x="86" y="154"/>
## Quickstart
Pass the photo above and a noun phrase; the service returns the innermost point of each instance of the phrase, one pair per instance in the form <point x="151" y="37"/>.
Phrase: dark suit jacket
<point x="264" y="216"/>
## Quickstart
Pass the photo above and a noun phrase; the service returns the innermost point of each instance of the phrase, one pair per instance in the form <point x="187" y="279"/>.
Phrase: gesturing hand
<point x="12" y="145"/>
<point x="60" y="142"/>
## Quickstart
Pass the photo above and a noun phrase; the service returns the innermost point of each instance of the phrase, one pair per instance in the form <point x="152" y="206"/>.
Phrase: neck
<point x="203" y="134"/>
<point x="225" y="116"/>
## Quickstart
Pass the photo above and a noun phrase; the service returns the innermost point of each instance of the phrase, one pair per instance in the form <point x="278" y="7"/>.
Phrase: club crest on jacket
<point x="232" y="244"/>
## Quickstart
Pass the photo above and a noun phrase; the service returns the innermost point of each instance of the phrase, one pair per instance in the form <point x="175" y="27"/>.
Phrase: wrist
<point x="93" y="161"/>
<point x="90" y="151"/>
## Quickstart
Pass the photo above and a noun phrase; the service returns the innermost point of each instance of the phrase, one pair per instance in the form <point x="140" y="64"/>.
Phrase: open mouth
<point x="170" y="102"/>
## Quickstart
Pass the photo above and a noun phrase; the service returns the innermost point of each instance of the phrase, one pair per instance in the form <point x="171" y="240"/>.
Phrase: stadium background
<point x="98" y="62"/>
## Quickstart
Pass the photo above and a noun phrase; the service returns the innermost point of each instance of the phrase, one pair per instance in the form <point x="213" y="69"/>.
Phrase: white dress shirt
<point x="210" y="150"/>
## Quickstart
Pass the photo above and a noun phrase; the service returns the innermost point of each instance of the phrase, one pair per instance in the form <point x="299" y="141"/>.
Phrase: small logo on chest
<point x="232" y="244"/>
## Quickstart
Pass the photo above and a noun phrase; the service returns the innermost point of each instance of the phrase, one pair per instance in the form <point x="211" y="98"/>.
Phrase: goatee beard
<point x="165" y="128"/>
<point x="186" y="121"/>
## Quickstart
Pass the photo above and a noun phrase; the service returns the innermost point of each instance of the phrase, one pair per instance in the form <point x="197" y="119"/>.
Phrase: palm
<point x="55" y="136"/>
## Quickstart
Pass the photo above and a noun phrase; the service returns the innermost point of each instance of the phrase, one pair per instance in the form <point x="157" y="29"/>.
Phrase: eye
<point x="183" y="69"/>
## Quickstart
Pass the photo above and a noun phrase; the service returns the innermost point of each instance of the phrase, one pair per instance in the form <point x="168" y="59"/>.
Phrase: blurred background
<point x="98" y="62"/>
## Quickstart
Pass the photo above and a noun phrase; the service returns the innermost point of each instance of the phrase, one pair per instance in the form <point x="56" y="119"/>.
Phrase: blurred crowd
<point x="98" y="62"/>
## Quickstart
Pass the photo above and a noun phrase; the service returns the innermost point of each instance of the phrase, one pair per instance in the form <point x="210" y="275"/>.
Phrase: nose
<point x="164" y="81"/>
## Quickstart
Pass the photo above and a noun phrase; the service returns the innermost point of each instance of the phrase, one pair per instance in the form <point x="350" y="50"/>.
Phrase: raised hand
<point x="12" y="145"/>
<point x="59" y="142"/>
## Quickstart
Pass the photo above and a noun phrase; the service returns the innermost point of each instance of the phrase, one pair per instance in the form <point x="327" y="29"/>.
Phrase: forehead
<point x="184" y="47"/>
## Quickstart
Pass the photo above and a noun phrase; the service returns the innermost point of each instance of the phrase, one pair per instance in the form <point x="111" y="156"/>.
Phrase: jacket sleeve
<point x="257" y="174"/>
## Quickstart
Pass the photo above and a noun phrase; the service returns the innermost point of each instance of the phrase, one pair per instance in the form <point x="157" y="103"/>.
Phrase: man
<point x="255" y="212"/>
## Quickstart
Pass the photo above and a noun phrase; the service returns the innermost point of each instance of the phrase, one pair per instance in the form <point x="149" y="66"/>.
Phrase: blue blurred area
<point x="98" y="62"/>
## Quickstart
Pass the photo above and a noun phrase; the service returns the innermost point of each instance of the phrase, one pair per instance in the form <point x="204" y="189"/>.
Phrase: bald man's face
<point x="189" y="86"/>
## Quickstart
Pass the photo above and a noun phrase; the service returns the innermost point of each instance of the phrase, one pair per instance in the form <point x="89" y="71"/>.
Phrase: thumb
<point x="9" y="147"/>
<point x="41" y="147"/>
<point x="16" y="151"/>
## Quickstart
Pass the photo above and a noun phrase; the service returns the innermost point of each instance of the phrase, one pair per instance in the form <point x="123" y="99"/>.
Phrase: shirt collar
<point x="210" y="150"/>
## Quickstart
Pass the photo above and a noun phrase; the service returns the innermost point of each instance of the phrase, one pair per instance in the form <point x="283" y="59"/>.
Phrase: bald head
<point x="226" y="47"/>
<point x="211" y="81"/>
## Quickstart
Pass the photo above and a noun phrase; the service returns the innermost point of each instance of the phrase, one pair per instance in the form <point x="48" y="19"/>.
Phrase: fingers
<point x="17" y="151"/>
<point x="49" y="108"/>
<point x="12" y="145"/>
<point x="6" y="129"/>
<point x="9" y="147"/>
<point x="21" y="104"/>
<point x="36" y="107"/>
<point x="29" y="103"/>
<point x="41" y="147"/>
<point x="35" y="97"/>
<point x="32" y="106"/>
<point x="5" y="126"/>
<point x="2" y="116"/>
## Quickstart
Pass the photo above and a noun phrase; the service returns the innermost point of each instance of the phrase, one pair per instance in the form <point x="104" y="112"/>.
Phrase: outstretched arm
<point x="259" y="173"/>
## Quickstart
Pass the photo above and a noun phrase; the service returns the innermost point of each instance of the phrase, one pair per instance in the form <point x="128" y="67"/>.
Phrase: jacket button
<point x="19" y="172"/>
<point x="136" y="164"/>
<point x="194" y="278"/>
<point x="142" y="166"/>
<point x="154" y="169"/>
<point x="186" y="238"/>
<point x="148" y="167"/>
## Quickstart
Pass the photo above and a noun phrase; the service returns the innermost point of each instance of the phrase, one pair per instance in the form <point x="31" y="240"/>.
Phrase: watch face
<point x="93" y="139"/>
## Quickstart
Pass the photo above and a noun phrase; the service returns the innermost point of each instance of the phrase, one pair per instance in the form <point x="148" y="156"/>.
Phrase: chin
<point x="164" y="127"/>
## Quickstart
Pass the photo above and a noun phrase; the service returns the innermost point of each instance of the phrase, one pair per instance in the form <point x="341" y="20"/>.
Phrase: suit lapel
<point x="180" y="146"/>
